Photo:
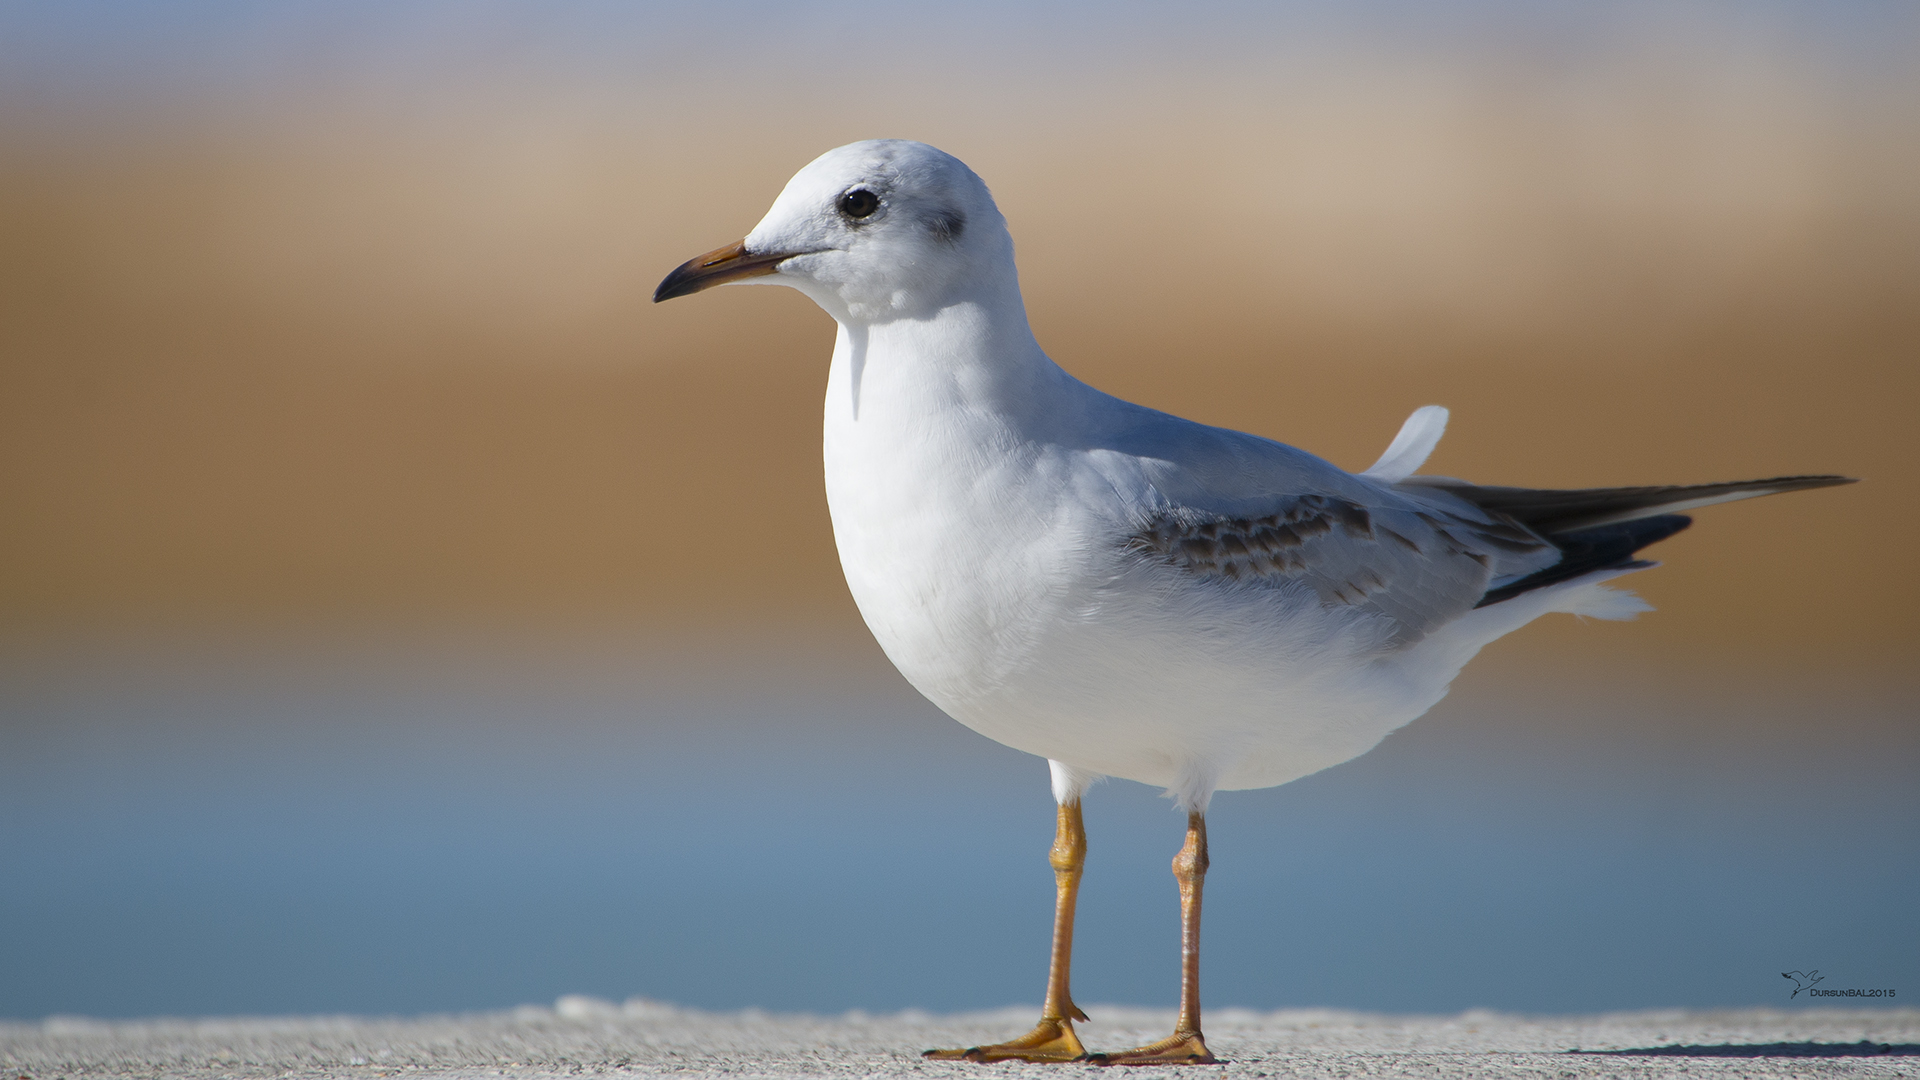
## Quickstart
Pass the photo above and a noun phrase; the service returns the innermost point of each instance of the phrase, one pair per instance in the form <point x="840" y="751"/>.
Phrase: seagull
<point x="1118" y="590"/>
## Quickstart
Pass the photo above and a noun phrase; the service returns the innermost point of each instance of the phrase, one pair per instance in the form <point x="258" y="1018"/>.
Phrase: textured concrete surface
<point x="583" y="1036"/>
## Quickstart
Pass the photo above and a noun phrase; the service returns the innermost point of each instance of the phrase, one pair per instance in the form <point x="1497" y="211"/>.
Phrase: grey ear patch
<point x="947" y="224"/>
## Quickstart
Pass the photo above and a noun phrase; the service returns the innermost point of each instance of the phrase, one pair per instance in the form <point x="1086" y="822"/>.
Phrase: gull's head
<point x="873" y="231"/>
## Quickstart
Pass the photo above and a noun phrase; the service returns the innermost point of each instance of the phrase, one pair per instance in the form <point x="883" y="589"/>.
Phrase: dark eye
<point x="859" y="203"/>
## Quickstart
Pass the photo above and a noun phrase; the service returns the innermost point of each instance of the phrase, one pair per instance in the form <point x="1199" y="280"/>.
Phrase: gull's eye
<point x="859" y="203"/>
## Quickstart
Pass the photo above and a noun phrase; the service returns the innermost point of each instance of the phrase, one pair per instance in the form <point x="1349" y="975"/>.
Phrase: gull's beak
<point x="717" y="267"/>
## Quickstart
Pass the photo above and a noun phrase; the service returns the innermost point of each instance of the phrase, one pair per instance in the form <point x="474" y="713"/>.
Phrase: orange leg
<point x="1185" y="1046"/>
<point x="1052" y="1039"/>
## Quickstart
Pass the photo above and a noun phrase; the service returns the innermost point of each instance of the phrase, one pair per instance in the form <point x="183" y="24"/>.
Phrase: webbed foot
<point x="1050" y="1040"/>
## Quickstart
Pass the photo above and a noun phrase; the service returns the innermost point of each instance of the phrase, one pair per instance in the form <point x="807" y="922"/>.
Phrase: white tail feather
<point x="1589" y="596"/>
<point x="1410" y="449"/>
<point x="1600" y="602"/>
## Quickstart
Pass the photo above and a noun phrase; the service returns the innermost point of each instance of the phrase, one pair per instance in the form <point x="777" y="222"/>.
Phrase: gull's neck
<point x="975" y="353"/>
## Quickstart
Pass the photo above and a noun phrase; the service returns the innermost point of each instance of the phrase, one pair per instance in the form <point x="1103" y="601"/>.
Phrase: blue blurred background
<point x="397" y="844"/>
<point x="398" y="614"/>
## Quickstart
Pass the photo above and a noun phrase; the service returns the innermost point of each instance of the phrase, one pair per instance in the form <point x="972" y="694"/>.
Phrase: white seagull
<point x="1124" y="592"/>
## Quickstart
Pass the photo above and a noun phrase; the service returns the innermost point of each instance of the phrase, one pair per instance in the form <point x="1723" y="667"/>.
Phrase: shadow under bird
<point x="1121" y="591"/>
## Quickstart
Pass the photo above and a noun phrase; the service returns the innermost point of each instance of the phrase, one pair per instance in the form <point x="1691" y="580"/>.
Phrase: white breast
<point x="942" y="531"/>
<point x="990" y="568"/>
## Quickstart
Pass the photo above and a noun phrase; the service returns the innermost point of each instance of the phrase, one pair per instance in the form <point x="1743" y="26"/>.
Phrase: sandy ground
<point x="585" y="1036"/>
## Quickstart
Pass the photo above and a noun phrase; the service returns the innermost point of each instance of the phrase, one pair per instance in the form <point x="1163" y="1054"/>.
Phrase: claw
<point x="1180" y="1048"/>
<point x="1050" y="1041"/>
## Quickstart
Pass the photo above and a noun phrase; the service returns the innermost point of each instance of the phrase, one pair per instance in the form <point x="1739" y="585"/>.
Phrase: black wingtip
<point x="1553" y="512"/>
<point x="1585" y="551"/>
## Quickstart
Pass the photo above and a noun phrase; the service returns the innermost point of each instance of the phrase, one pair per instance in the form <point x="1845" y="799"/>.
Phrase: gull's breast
<point x="959" y="546"/>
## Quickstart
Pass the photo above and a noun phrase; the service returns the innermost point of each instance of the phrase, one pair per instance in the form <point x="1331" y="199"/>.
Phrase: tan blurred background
<point x="335" y="422"/>
<point x="363" y="357"/>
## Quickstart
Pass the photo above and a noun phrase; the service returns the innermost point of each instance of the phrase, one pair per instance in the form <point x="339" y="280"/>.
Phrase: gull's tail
<point x="1602" y="528"/>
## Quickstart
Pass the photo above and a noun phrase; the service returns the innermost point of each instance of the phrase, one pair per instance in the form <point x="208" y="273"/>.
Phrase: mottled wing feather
<point x="1417" y="563"/>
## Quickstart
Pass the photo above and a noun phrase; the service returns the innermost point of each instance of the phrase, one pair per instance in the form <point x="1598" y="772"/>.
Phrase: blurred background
<point x="351" y="654"/>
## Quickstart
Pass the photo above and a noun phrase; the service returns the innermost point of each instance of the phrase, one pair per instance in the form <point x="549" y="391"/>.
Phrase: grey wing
<point x="1249" y="512"/>
<point x="1416" y="559"/>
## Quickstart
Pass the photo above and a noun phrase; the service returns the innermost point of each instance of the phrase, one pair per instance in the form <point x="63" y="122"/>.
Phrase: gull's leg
<point x="1185" y="1046"/>
<point x="1052" y="1039"/>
